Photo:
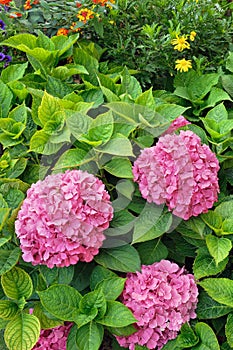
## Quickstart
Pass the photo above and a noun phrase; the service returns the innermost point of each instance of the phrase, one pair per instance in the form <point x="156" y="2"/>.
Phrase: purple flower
<point x="54" y="338"/>
<point x="162" y="297"/>
<point x="2" y="24"/>
<point x="2" y="56"/>
<point x="8" y="58"/>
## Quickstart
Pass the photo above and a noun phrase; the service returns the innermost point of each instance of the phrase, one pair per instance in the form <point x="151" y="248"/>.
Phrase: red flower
<point x="5" y="2"/>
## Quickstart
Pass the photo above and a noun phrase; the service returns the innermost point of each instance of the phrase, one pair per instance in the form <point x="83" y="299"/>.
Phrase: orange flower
<point x="72" y="27"/>
<point x="15" y="14"/>
<point x="5" y="2"/>
<point x="63" y="31"/>
<point x="85" y="14"/>
<point x="100" y="2"/>
<point x="27" y="5"/>
<point x="36" y="2"/>
<point x="78" y="4"/>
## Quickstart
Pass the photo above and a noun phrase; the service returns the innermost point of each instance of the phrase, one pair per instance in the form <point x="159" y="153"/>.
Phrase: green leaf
<point x="82" y="275"/>
<point x="101" y="127"/>
<point x="55" y="275"/>
<point x="111" y="287"/>
<point x="83" y="318"/>
<point x="153" y="221"/>
<point x="228" y="329"/>
<point x="219" y="248"/>
<point x="90" y="336"/>
<point x="45" y="321"/>
<point x="23" y="332"/>
<point x="124" y="258"/>
<point x="207" y="308"/>
<point x="19" y="113"/>
<point x="119" y="167"/>
<point x="218" y="113"/>
<point x="229" y="62"/>
<point x="227" y="83"/>
<point x="93" y="300"/>
<point x="99" y="274"/>
<point x="205" y="265"/>
<point x="17" y="40"/>
<point x="216" y="95"/>
<point x="49" y="106"/>
<point x="57" y="88"/>
<point x="129" y="85"/>
<point x="152" y="251"/>
<point x="41" y="143"/>
<point x="117" y="315"/>
<point x="79" y="123"/>
<point x="207" y="337"/>
<point x="61" y="301"/>
<point x="220" y="289"/>
<point x="187" y="338"/>
<point x="213" y="219"/>
<point x="17" y="283"/>
<point x="73" y="158"/>
<point x="117" y="146"/>
<point x="71" y="339"/>
<point x="5" y="99"/>
<point x="146" y="99"/>
<point x="8" y="258"/>
<point x="8" y="309"/>
<point x="122" y="331"/>
<point x="13" y="72"/>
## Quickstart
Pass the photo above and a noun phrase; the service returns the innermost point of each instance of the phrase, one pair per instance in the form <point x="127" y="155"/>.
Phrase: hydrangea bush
<point x="115" y="203"/>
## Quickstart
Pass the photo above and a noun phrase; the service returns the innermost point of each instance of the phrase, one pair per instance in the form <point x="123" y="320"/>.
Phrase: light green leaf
<point x="219" y="248"/>
<point x="57" y="88"/>
<point x="23" y="332"/>
<point x="124" y="258"/>
<point x="111" y="287"/>
<point x="118" y="146"/>
<point x="229" y="62"/>
<point x="73" y="158"/>
<point x="49" y="106"/>
<point x="228" y="329"/>
<point x="220" y="289"/>
<point x="146" y="99"/>
<point x="79" y="123"/>
<point x="207" y="337"/>
<point x="17" y="283"/>
<point x="90" y="336"/>
<point x="13" y="72"/>
<point x="8" y="309"/>
<point x="101" y="128"/>
<point x="61" y="301"/>
<point x="207" y="308"/>
<point x="205" y="265"/>
<point x="5" y="99"/>
<point x="41" y="143"/>
<point x="19" y="113"/>
<point x="218" y="113"/>
<point x="45" y="322"/>
<point x="117" y="315"/>
<point x="17" y="40"/>
<point x="99" y="274"/>
<point x="187" y="338"/>
<point x="152" y="222"/>
<point x="119" y="167"/>
<point x="213" y="219"/>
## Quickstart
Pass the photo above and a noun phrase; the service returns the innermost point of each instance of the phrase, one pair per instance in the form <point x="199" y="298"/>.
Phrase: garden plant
<point x="116" y="178"/>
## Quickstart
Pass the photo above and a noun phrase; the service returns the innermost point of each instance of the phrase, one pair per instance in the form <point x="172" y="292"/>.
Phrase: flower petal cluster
<point x="54" y="338"/>
<point x="161" y="297"/>
<point x="180" y="43"/>
<point x="180" y="172"/>
<point x="183" y="65"/>
<point x="62" y="219"/>
<point x="176" y="124"/>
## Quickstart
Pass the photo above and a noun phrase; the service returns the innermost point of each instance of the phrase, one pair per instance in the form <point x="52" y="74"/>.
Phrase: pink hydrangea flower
<point x="176" y="124"/>
<point x="180" y="172"/>
<point x="161" y="297"/>
<point x="54" y="338"/>
<point x="62" y="219"/>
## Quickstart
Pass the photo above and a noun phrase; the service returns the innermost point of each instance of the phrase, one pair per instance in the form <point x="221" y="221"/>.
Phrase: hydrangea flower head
<point x="62" y="219"/>
<point x="180" y="172"/>
<point x="54" y="338"/>
<point x="161" y="297"/>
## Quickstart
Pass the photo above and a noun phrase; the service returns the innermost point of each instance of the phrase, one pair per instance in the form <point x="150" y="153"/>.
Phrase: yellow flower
<point x="85" y="14"/>
<point x="180" y="43"/>
<point x="183" y="65"/>
<point x="192" y="35"/>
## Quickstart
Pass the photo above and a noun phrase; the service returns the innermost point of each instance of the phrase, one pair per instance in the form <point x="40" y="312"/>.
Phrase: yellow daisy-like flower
<point x="180" y="43"/>
<point x="192" y="35"/>
<point x="85" y="14"/>
<point x="183" y="65"/>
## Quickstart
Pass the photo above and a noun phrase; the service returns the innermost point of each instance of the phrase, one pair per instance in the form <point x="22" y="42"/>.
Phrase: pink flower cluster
<point x="180" y="172"/>
<point x="54" y="338"/>
<point x="62" y="219"/>
<point x="161" y="297"/>
<point x="176" y="124"/>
